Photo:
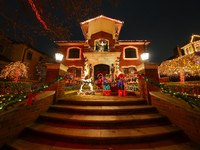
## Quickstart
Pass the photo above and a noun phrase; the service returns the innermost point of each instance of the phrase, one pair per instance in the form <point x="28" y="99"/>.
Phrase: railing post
<point x="53" y="71"/>
<point x="150" y="70"/>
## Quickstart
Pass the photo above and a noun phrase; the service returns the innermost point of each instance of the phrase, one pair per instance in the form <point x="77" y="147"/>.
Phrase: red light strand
<point x="37" y="14"/>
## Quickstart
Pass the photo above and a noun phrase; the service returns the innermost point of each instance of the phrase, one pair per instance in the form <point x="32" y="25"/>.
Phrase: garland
<point x="190" y="99"/>
<point x="7" y="101"/>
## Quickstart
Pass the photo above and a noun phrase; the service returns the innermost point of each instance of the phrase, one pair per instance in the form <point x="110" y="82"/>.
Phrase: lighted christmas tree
<point x="188" y="64"/>
<point x="41" y="69"/>
<point x="15" y="70"/>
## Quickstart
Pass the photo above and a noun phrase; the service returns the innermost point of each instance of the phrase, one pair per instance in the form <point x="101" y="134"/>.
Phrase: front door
<point x="102" y="68"/>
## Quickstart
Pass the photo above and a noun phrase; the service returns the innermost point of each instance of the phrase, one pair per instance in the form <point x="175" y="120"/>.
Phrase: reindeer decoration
<point x="85" y="79"/>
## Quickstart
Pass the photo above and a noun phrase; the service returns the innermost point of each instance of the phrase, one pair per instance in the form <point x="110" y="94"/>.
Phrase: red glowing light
<point x="37" y="14"/>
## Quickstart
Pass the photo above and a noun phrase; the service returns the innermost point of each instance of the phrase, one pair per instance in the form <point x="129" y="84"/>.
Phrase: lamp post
<point x="145" y="54"/>
<point x="59" y="56"/>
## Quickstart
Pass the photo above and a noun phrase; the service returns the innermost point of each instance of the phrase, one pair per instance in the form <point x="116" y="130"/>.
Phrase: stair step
<point x="20" y="144"/>
<point x="104" y="121"/>
<point x="103" y="136"/>
<point x="100" y="98"/>
<point x="103" y="110"/>
<point x="102" y="102"/>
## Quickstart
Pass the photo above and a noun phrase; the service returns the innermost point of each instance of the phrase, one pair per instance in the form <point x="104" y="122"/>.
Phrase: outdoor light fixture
<point x="145" y="54"/>
<point x="59" y="56"/>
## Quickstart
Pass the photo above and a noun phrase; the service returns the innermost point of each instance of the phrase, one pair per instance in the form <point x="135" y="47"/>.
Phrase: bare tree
<point x="26" y="19"/>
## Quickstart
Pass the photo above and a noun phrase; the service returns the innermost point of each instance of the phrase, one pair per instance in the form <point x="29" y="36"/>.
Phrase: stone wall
<point x="13" y="121"/>
<point x="179" y="113"/>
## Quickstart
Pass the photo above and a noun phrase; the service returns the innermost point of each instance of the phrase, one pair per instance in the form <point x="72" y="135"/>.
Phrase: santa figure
<point x="120" y="79"/>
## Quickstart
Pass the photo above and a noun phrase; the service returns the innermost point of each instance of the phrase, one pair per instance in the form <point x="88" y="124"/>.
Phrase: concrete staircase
<point x="102" y="122"/>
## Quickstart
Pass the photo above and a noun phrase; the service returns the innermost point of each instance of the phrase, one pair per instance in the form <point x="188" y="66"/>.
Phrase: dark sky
<point x="166" y="22"/>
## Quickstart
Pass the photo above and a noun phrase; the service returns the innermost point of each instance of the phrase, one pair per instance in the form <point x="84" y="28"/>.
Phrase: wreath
<point x="98" y="42"/>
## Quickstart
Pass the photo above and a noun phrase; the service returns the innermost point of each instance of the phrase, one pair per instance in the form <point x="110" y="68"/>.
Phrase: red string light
<point x="37" y="14"/>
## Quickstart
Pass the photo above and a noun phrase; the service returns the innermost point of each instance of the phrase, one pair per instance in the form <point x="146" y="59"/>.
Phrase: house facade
<point x="193" y="45"/>
<point x="102" y="48"/>
<point x="12" y="51"/>
<point x="190" y="47"/>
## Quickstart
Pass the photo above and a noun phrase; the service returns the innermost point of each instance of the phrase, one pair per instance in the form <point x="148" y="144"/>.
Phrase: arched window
<point x="130" y="71"/>
<point x="76" y="71"/>
<point x="74" y="53"/>
<point x="130" y="53"/>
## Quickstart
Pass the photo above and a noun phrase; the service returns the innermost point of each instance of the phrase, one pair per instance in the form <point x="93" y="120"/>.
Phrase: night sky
<point x="167" y="23"/>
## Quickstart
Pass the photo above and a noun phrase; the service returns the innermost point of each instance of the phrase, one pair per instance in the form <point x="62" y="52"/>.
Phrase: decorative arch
<point x="74" y="55"/>
<point x="130" y="53"/>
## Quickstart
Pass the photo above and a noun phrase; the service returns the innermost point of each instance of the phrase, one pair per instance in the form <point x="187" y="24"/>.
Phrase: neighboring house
<point x="191" y="46"/>
<point x="13" y="51"/>
<point x="5" y="48"/>
<point x="102" y="48"/>
<point x="185" y="62"/>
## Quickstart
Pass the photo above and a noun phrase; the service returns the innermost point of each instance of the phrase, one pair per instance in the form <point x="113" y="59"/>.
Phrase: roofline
<point x="189" y="44"/>
<point x="75" y="41"/>
<point x="134" y="40"/>
<point x="32" y="47"/>
<point x="192" y="37"/>
<point x="146" y="42"/>
<point x="102" y="16"/>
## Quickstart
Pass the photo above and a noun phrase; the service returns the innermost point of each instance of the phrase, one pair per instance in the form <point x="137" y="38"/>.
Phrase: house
<point x="12" y="51"/>
<point x="102" y="48"/>
<point x="191" y="46"/>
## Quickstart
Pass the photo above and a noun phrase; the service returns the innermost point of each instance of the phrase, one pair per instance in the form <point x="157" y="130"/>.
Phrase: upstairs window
<point x="74" y="53"/>
<point x="130" y="53"/>
<point x="29" y="55"/>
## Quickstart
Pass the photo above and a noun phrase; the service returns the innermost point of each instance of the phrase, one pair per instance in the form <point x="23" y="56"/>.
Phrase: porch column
<point x="150" y="70"/>
<point x="53" y="70"/>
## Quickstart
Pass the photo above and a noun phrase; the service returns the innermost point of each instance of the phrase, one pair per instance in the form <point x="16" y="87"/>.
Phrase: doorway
<point x="101" y="68"/>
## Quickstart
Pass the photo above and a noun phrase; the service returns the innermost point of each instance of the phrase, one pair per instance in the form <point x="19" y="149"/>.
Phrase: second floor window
<point x="29" y="55"/>
<point x="130" y="53"/>
<point x="74" y="53"/>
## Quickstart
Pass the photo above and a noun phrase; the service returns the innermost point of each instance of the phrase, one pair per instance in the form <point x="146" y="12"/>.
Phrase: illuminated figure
<point x="121" y="88"/>
<point x="85" y="80"/>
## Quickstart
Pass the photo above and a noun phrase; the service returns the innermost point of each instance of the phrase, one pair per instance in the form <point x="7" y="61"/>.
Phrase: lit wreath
<point x="98" y="42"/>
<point x="104" y="73"/>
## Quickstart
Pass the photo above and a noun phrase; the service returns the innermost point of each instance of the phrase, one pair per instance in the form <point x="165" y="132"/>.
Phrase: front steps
<point x="102" y="122"/>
